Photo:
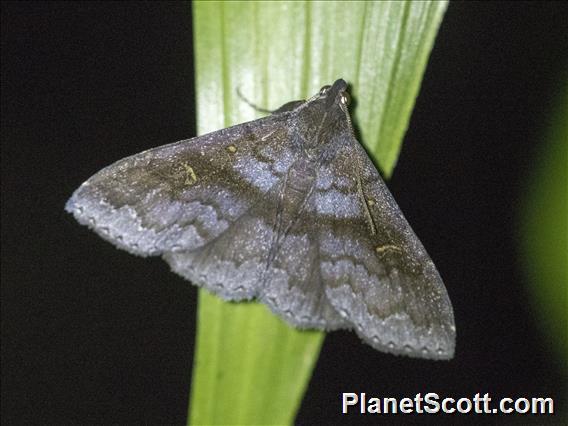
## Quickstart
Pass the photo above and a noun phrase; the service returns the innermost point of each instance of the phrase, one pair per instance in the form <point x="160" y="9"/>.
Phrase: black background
<point x="91" y="334"/>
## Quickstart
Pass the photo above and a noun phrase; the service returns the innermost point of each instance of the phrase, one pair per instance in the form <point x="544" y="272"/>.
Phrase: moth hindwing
<point x="289" y="210"/>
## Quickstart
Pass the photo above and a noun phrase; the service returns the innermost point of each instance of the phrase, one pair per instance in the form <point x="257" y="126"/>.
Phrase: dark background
<point x="91" y="334"/>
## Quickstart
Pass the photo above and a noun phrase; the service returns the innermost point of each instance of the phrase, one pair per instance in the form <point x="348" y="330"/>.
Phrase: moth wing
<point x="377" y="274"/>
<point x="294" y="287"/>
<point x="236" y="265"/>
<point x="180" y="196"/>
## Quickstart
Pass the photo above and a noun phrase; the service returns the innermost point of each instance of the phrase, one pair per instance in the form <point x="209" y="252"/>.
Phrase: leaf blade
<point x="250" y="367"/>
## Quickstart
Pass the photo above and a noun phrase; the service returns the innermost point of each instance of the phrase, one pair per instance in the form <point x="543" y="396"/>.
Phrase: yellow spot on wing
<point x="387" y="247"/>
<point x="232" y="149"/>
<point x="190" y="176"/>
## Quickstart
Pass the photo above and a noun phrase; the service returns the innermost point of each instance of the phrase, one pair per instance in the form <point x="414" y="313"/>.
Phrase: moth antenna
<point x="252" y="105"/>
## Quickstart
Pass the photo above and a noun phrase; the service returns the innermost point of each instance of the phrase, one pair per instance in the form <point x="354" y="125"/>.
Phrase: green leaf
<point x="544" y="228"/>
<point x="250" y="367"/>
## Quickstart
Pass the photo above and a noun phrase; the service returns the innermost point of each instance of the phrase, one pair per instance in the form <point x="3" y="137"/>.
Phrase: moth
<point x="288" y="210"/>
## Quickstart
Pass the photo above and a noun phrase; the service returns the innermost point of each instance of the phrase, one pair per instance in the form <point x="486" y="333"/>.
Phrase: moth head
<point x="325" y="117"/>
<point x="336" y="93"/>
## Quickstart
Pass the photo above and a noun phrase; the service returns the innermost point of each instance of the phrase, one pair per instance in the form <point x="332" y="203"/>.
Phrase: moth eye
<point x="345" y="99"/>
<point x="324" y="89"/>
